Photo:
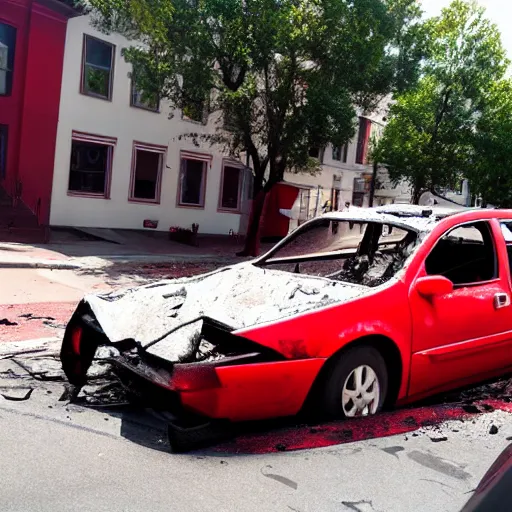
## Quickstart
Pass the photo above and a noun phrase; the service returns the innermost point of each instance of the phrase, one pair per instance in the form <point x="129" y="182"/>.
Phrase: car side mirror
<point x="431" y="286"/>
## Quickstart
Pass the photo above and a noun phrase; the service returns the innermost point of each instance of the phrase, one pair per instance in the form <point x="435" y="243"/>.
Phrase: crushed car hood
<point x="239" y="296"/>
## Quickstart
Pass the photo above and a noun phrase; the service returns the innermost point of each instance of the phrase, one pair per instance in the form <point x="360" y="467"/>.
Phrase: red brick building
<point x="32" y="37"/>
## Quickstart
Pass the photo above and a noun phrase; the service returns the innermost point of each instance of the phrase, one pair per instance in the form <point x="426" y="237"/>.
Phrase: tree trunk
<point x="416" y="194"/>
<point x="252" y="239"/>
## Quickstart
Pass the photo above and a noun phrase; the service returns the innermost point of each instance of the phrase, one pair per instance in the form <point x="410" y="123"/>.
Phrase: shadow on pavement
<point x="148" y="428"/>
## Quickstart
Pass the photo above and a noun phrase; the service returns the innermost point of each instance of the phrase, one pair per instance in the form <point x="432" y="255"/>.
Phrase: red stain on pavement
<point x="36" y="320"/>
<point x="340" y="432"/>
<point x="499" y="404"/>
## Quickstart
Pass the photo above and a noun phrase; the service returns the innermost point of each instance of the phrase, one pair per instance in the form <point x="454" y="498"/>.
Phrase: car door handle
<point x="501" y="300"/>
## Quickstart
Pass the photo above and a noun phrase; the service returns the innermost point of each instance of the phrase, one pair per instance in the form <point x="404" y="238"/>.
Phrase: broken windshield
<point x="366" y="253"/>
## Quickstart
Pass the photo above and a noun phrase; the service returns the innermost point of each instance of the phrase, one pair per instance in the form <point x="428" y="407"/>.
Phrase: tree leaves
<point x="285" y="74"/>
<point x="436" y="131"/>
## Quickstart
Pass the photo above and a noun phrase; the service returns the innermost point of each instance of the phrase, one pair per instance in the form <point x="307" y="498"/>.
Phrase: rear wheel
<point x="356" y="384"/>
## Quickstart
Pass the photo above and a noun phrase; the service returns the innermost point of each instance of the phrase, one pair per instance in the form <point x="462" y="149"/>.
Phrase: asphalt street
<point x="61" y="457"/>
<point x="58" y="457"/>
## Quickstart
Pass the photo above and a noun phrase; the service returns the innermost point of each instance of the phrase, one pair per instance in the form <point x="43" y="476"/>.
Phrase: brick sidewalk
<point x="34" y="320"/>
<point x="19" y="322"/>
<point x="69" y="251"/>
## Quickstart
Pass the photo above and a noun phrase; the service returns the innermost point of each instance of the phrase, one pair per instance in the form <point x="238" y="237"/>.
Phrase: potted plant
<point x="184" y="235"/>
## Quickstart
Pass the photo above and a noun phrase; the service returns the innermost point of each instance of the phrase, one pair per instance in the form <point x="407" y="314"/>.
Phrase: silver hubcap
<point x="361" y="392"/>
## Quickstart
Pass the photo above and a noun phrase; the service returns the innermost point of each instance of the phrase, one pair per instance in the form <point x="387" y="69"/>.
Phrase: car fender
<point x="383" y="312"/>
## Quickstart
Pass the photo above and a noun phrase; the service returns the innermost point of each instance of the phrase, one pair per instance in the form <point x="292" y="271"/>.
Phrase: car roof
<point x="417" y="218"/>
<point x="411" y="217"/>
<point x="414" y="210"/>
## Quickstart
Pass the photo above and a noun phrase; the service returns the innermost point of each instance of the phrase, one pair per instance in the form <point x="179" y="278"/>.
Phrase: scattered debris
<point x="410" y="421"/>
<point x="438" y="439"/>
<point x="16" y="397"/>
<point x="359" y="506"/>
<point x="493" y="430"/>
<point x="69" y="393"/>
<point x="471" y="409"/>
<point x="42" y="368"/>
<point x="105" y="394"/>
<point x="8" y="323"/>
<point x="53" y="325"/>
<point x="31" y="316"/>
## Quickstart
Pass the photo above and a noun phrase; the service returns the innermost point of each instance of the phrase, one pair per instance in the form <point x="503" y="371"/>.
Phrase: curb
<point x="172" y="259"/>
<point x="106" y="261"/>
<point x="52" y="265"/>
<point x="103" y="261"/>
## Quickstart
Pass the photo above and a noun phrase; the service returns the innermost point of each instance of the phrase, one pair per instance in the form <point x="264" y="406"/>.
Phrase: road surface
<point x="57" y="457"/>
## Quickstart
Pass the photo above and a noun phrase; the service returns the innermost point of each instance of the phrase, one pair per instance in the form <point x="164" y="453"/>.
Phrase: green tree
<point x="430" y="140"/>
<point x="285" y="74"/>
<point x="490" y="174"/>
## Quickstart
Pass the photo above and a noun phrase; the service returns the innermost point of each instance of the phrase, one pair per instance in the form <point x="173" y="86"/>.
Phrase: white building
<point x="346" y="176"/>
<point x="120" y="162"/>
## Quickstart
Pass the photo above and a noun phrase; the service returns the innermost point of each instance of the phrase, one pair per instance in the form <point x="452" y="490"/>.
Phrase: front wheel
<point x="356" y="384"/>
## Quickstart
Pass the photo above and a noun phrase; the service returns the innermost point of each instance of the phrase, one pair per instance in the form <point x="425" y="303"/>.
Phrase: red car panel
<point x="256" y="391"/>
<point x="461" y="335"/>
<point x="323" y="333"/>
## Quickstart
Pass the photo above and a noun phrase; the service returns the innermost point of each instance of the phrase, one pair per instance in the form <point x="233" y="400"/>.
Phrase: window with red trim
<point x="7" y="47"/>
<point x="146" y="173"/>
<point x="340" y="153"/>
<point x="231" y="186"/>
<point x="365" y="128"/>
<point x="192" y="185"/>
<point x="97" y="68"/>
<point x="90" y="165"/>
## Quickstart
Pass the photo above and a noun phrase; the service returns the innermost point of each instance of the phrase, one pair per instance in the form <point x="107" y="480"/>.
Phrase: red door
<point x="465" y="334"/>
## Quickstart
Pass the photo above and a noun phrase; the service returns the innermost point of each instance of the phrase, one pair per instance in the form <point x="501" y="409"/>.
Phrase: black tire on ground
<point x="341" y="368"/>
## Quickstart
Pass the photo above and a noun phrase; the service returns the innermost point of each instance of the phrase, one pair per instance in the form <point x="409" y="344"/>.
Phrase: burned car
<point x="352" y="312"/>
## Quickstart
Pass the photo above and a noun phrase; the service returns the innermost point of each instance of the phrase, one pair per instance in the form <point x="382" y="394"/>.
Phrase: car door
<point x="464" y="334"/>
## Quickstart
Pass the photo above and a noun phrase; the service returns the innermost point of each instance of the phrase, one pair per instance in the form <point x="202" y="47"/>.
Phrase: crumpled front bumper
<point x="250" y="386"/>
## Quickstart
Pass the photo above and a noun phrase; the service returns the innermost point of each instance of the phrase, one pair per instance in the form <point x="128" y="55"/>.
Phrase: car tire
<point x="354" y="377"/>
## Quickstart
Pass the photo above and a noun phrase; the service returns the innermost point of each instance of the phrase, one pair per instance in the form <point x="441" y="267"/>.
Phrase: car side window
<point x="466" y="255"/>
<point x="506" y="229"/>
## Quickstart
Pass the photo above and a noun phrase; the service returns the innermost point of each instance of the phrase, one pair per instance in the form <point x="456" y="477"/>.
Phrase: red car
<point x="354" y="310"/>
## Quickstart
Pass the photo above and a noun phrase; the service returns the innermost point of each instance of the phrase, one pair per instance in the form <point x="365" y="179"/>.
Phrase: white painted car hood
<point x="239" y="296"/>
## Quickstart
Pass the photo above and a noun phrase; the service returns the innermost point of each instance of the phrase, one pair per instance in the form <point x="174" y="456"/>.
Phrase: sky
<point x="498" y="11"/>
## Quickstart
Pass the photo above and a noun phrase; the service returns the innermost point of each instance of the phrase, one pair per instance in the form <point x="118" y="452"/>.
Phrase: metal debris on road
<point x="8" y="323"/>
<point x="17" y="394"/>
